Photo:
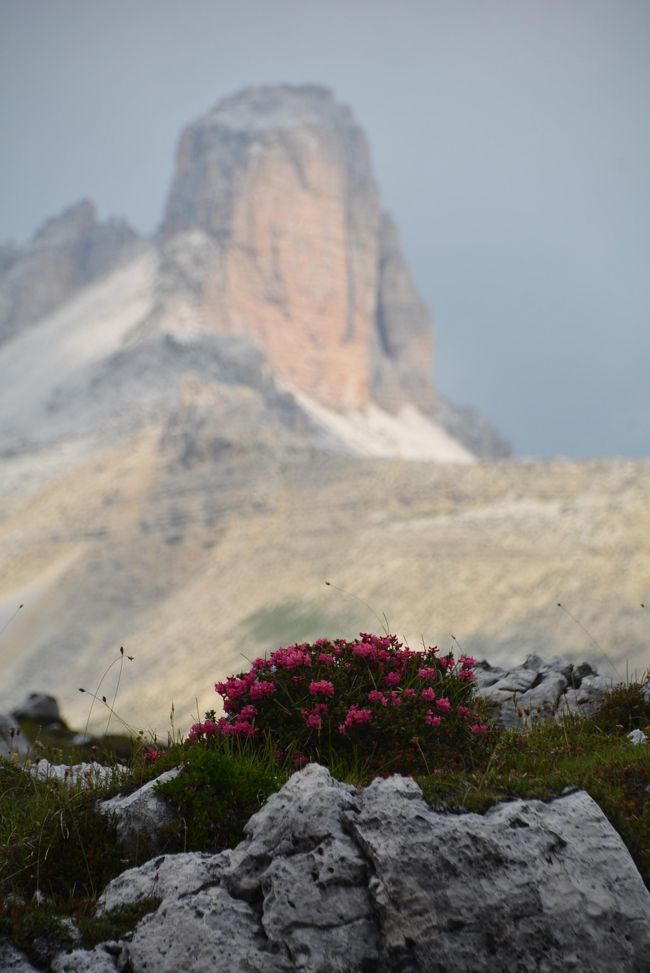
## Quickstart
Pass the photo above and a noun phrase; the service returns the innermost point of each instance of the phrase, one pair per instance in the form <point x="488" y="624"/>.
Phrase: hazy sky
<point x="511" y="142"/>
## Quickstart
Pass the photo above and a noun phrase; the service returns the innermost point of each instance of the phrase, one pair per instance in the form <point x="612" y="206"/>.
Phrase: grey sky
<point x="511" y="141"/>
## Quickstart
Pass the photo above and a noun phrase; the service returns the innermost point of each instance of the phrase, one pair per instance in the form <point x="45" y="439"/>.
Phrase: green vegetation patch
<point x="54" y="842"/>
<point x="291" y="621"/>
<point x="217" y="791"/>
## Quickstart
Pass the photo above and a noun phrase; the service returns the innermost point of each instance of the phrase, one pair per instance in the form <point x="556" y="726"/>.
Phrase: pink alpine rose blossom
<point x="322" y="688"/>
<point x="375" y="696"/>
<point x="261" y="689"/>
<point x="426" y="672"/>
<point x="355" y="716"/>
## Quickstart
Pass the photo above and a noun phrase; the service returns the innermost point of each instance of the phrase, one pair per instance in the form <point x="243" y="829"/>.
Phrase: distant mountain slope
<point x="198" y="555"/>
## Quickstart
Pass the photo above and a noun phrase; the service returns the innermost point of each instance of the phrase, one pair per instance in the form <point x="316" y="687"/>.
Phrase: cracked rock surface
<point x="540" y="689"/>
<point x="330" y="878"/>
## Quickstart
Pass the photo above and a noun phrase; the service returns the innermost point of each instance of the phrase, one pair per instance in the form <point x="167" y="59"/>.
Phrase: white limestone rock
<point x="142" y="814"/>
<point x="169" y="876"/>
<point x="86" y="774"/>
<point x="637" y="737"/>
<point x="105" y="958"/>
<point x="540" y="689"/>
<point x="333" y="879"/>
<point x="514" y="682"/>
<point x="12" y="960"/>
<point x="208" y="931"/>
<point x="486" y="892"/>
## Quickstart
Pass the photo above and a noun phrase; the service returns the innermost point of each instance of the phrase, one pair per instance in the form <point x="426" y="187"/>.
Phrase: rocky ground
<point x="330" y="878"/>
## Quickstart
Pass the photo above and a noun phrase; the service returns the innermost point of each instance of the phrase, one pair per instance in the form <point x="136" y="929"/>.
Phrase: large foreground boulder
<point x="331" y="879"/>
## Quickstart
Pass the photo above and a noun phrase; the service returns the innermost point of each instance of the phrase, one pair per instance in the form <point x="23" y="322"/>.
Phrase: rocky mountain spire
<point x="303" y="261"/>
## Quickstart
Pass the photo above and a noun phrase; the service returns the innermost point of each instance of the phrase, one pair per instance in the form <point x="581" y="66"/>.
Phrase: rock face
<point x="140" y="815"/>
<point x="303" y="260"/>
<point x="540" y="689"/>
<point x="67" y="252"/>
<point x="334" y="879"/>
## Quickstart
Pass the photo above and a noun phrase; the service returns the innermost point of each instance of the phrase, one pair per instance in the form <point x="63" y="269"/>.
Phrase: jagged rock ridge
<point x="66" y="253"/>
<point x="304" y="261"/>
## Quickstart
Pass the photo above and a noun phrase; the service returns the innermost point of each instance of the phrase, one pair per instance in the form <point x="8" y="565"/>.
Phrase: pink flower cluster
<point x="355" y="716"/>
<point x="302" y="689"/>
<point x="374" y="696"/>
<point x="322" y="688"/>
<point x="314" y="717"/>
<point x="261" y="689"/>
<point x="291" y="658"/>
<point x="426" y="672"/>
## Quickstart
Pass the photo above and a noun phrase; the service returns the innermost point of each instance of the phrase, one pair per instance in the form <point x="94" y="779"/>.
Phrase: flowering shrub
<point x="397" y="708"/>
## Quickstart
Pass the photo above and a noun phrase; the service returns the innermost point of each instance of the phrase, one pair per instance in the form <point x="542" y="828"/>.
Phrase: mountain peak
<point x="302" y="259"/>
<point x="266" y="107"/>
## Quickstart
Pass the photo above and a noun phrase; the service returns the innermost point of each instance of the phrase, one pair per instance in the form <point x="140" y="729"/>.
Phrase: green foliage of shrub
<point x="370" y="700"/>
